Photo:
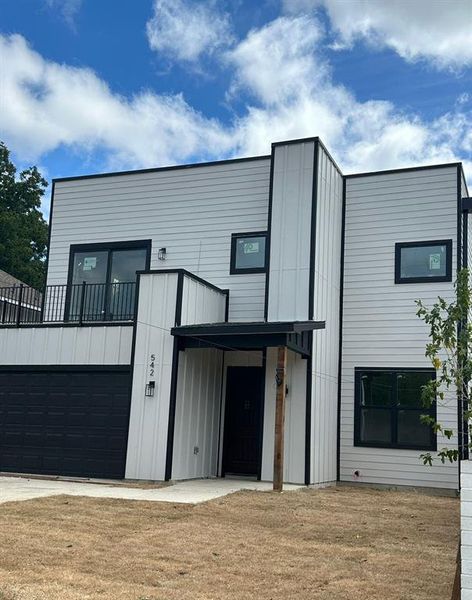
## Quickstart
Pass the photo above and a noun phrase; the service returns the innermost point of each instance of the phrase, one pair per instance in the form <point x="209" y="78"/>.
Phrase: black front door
<point x="243" y="420"/>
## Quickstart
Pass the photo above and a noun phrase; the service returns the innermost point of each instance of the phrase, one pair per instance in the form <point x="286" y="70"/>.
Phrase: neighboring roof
<point x="9" y="290"/>
<point x="296" y="335"/>
<point x="7" y="280"/>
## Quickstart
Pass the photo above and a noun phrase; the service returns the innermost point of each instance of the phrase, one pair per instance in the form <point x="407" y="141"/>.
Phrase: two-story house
<point x="170" y="290"/>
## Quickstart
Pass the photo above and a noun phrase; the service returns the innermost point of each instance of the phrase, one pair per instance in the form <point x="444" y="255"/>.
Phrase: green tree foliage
<point x="449" y="346"/>
<point x="23" y="230"/>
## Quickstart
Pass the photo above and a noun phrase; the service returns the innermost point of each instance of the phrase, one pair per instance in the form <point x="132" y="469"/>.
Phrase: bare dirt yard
<point x="336" y="543"/>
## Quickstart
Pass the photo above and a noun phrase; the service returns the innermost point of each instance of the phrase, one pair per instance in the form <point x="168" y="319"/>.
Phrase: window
<point x="418" y="262"/>
<point x="388" y="407"/>
<point x="248" y="252"/>
<point x="109" y="274"/>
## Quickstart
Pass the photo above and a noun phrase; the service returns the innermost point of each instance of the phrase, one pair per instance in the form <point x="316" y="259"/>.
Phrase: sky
<point x="89" y="86"/>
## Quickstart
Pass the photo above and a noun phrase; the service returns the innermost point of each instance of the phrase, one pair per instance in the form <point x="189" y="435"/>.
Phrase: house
<point x="31" y="300"/>
<point x="171" y="290"/>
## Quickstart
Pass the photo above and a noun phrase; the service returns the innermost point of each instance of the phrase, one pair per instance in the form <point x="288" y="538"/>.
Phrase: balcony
<point x="81" y="304"/>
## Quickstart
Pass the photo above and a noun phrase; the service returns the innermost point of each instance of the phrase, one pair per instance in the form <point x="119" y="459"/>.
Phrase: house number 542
<point x="152" y="365"/>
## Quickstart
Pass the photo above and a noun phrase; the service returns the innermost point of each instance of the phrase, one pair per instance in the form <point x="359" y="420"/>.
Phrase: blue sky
<point x="88" y="86"/>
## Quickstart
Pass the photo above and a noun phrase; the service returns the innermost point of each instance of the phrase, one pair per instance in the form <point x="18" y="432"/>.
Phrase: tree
<point x="450" y="342"/>
<point x="23" y="230"/>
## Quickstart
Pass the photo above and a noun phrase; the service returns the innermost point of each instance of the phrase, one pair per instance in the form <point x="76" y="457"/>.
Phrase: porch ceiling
<point x="296" y="335"/>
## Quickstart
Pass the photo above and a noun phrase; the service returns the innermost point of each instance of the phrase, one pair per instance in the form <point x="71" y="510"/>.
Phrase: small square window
<point x="248" y="252"/>
<point x="420" y="262"/>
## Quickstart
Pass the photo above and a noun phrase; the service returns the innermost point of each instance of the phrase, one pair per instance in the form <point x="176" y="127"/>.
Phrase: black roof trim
<point x="159" y="169"/>
<point x="403" y="170"/>
<point x="252" y="328"/>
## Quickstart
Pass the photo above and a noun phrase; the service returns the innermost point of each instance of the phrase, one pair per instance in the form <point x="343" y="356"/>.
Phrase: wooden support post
<point x="456" y="588"/>
<point x="280" y="418"/>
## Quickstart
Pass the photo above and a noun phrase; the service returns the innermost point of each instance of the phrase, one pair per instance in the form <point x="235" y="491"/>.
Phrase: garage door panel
<point x="64" y="422"/>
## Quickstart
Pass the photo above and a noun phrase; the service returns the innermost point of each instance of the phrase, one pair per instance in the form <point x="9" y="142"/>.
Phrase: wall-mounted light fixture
<point x="162" y="253"/>
<point x="150" y="387"/>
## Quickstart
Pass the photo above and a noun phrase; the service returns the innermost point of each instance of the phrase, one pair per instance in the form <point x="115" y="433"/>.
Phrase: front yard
<point x="336" y="543"/>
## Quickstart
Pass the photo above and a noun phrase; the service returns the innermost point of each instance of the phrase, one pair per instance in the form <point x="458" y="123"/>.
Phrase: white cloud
<point x="68" y="8"/>
<point x="280" y="67"/>
<point x="297" y="97"/>
<point x="275" y="63"/>
<point x="186" y="31"/>
<point x="44" y="105"/>
<point x="435" y="30"/>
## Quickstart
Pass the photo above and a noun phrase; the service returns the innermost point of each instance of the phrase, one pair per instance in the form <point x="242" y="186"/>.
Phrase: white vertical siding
<point x="197" y="417"/>
<point x="198" y="397"/>
<point x="466" y="530"/>
<point x="192" y="212"/>
<point x="147" y="441"/>
<point x="295" y="404"/>
<point x="201" y="303"/>
<point x="380" y="327"/>
<point x="66" y="346"/>
<point x="326" y="308"/>
<point x="292" y="199"/>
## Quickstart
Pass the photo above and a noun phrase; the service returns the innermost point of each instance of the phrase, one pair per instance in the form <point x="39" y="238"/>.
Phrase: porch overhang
<point x="295" y="335"/>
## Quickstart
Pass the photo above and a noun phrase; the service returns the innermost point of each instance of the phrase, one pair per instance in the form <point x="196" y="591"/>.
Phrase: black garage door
<point x="64" y="422"/>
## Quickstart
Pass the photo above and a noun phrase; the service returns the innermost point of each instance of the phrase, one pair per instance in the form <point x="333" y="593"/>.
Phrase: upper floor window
<point x="418" y="262"/>
<point x="388" y="409"/>
<point x="108" y="271"/>
<point x="248" y="252"/>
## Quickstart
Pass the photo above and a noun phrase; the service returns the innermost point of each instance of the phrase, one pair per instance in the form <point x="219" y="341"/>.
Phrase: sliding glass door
<point x="102" y="281"/>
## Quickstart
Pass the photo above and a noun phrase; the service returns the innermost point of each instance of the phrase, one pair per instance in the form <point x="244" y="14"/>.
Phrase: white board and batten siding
<point x="192" y="212"/>
<point x="466" y="530"/>
<point x="201" y="303"/>
<point x="296" y="176"/>
<point x="149" y="416"/>
<point x="292" y="199"/>
<point x="197" y="414"/>
<point x="325" y="362"/>
<point x="198" y="385"/>
<point x="380" y="326"/>
<point x="198" y="396"/>
<point x="66" y="345"/>
<point x="288" y="297"/>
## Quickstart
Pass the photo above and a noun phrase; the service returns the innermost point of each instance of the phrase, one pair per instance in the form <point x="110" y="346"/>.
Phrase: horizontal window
<point x="248" y="252"/>
<point x="419" y="262"/>
<point x="388" y="409"/>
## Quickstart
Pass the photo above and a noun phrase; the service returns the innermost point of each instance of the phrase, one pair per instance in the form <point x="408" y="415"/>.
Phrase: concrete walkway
<point x="188" y="492"/>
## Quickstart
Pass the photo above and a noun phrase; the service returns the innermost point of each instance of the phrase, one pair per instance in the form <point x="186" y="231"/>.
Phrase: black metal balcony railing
<point x="77" y="303"/>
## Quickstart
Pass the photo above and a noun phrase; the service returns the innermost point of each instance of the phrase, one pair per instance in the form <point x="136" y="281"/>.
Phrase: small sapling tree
<point x="450" y="339"/>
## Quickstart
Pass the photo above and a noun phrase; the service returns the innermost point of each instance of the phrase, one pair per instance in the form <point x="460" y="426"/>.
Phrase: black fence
<point x="77" y="303"/>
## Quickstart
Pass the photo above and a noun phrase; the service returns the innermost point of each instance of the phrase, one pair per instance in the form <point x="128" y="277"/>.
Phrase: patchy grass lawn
<point x="336" y="543"/>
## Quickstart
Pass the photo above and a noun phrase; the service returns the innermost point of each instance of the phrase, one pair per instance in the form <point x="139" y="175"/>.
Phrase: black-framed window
<point x="109" y="271"/>
<point x="388" y="408"/>
<point x="421" y="262"/>
<point x="249" y="252"/>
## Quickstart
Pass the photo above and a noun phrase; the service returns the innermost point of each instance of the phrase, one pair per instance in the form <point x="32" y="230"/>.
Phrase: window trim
<point x="358" y="372"/>
<point x="400" y="245"/>
<point x="233" y="270"/>
<point x="101" y="246"/>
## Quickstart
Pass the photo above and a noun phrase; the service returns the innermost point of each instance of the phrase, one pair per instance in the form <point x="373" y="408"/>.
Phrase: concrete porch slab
<point x="194" y="491"/>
